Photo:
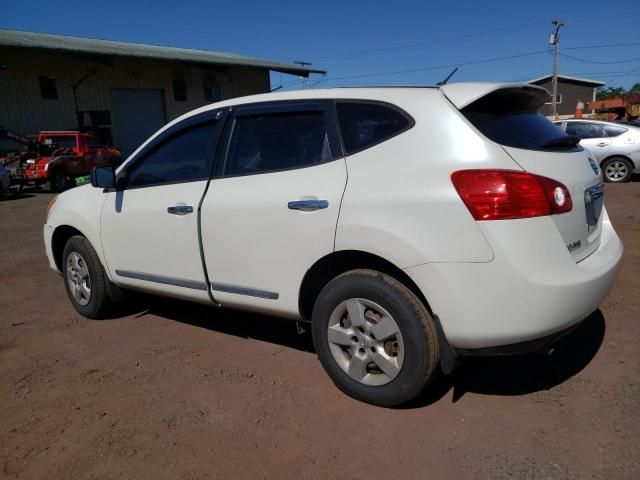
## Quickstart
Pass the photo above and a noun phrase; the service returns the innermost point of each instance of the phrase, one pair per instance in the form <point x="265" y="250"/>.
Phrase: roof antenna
<point x="444" y="82"/>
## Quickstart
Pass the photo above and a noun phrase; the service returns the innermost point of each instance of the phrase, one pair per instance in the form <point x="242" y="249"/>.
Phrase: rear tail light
<point x="508" y="194"/>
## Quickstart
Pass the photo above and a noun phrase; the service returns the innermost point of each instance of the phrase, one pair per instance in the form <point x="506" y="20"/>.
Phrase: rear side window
<point x="184" y="156"/>
<point x="614" y="130"/>
<point x="365" y="124"/>
<point x="511" y="118"/>
<point x="585" y="129"/>
<point x="277" y="141"/>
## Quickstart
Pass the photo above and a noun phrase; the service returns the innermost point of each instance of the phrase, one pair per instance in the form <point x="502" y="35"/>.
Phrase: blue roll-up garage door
<point x="136" y="114"/>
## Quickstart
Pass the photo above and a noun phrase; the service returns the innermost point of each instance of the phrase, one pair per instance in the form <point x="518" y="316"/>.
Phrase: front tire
<point x="375" y="338"/>
<point x="58" y="180"/>
<point x="617" y="170"/>
<point x="84" y="278"/>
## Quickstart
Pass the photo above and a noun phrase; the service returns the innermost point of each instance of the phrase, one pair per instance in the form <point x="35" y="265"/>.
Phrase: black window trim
<point x="391" y="106"/>
<point x="219" y="114"/>
<point x="278" y="106"/>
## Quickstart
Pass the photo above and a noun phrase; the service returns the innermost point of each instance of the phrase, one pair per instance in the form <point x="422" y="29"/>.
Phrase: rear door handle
<point x="308" y="205"/>
<point x="180" y="209"/>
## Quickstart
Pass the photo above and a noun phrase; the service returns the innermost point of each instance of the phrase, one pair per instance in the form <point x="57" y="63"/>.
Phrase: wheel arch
<point x="336" y="263"/>
<point x="60" y="236"/>
<point x="619" y="155"/>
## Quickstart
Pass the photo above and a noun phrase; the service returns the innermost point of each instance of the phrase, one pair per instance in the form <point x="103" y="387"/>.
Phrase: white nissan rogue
<point x="407" y="226"/>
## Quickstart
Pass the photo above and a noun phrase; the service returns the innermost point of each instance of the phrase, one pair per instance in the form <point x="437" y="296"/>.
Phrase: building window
<point x="558" y="100"/>
<point x="212" y="93"/>
<point x="48" y="88"/>
<point x="179" y="91"/>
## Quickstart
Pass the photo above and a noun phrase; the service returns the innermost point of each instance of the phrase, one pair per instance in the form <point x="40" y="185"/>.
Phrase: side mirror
<point x="103" y="177"/>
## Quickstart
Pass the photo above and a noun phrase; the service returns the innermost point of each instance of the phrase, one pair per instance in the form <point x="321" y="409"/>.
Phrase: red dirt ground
<point x="170" y="390"/>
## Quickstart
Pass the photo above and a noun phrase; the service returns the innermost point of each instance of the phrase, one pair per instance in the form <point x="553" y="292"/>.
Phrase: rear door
<point x="508" y="116"/>
<point x="271" y="211"/>
<point x="592" y="137"/>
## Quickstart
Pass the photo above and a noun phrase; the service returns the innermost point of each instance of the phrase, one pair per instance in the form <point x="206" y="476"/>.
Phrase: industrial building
<point x="570" y="90"/>
<point x="121" y="92"/>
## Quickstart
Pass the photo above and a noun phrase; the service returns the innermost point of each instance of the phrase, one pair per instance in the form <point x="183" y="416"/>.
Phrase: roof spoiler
<point x="464" y="94"/>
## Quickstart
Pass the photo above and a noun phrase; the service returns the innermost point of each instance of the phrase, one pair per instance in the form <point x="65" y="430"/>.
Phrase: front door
<point x="150" y="228"/>
<point x="272" y="209"/>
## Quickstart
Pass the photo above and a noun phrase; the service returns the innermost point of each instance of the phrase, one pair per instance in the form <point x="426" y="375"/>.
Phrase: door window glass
<point x="584" y="130"/>
<point x="614" y="130"/>
<point x="268" y="142"/>
<point x="184" y="156"/>
<point x="364" y="125"/>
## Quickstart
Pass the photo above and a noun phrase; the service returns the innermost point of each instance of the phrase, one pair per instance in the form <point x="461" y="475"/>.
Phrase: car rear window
<point x="365" y="124"/>
<point x="509" y="117"/>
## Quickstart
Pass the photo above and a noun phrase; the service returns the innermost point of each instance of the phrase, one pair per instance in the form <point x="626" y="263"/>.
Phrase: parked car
<point x="76" y="154"/>
<point x="406" y="226"/>
<point x="615" y="147"/>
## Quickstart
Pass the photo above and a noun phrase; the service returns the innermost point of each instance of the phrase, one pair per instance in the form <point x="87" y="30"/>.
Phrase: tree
<point x="609" y="92"/>
<point x="612" y="92"/>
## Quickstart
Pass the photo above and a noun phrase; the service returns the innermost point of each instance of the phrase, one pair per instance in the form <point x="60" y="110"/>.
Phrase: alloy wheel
<point x="616" y="171"/>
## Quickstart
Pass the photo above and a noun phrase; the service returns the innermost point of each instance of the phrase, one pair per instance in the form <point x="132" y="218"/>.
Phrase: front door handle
<point x="180" y="209"/>
<point x="602" y="144"/>
<point x="308" y="205"/>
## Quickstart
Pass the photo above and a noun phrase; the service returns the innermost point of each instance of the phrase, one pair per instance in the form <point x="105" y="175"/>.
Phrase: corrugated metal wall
<point x="22" y="108"/>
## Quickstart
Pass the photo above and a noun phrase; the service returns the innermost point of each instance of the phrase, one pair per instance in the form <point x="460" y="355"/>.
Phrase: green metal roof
<point x="92" y="46"/>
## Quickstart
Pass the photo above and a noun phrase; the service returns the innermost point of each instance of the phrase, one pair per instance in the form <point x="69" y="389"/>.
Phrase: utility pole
<point x="303" y="79"/>
<point x="554" y="40"/>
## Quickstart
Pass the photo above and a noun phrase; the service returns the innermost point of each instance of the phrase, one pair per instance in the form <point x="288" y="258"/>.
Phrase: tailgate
<point x="508" y="115"/>
<point x="581" y="227"/>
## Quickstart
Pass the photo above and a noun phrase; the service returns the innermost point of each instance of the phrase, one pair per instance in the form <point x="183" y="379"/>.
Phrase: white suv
<point x="408" y="226"/>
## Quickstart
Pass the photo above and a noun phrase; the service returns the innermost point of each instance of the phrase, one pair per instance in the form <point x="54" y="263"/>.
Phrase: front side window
<point x="584" y="130"/>
<point x="365" y="124"/>
<point x="185" y="156"/>
<point x="268" y="142"/>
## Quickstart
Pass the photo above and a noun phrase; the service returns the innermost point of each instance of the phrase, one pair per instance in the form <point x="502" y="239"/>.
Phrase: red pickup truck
<point x="73" y="154"/>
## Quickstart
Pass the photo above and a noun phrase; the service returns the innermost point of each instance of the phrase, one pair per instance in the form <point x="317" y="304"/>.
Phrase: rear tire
<point x="58" y="180"/>
<point x="374" y="338"/>
<point x="84" y="278"/>
<point x="617" y="170"/>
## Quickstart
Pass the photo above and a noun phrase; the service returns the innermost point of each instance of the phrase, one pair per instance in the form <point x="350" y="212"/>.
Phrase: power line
<point x="427" y="42"/>
<point x="598" y="62"/>
<point x="436" y="67"/>
<point x="611" y="45"/>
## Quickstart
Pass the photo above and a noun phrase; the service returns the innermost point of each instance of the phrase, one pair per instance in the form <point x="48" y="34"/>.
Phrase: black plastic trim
<point x="530" y="346"/>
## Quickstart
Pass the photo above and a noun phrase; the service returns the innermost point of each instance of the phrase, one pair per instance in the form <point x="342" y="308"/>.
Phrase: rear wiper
<point x="566" y="141"/>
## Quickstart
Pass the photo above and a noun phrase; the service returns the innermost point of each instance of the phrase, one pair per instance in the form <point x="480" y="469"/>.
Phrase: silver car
<point x="616" y="147"/>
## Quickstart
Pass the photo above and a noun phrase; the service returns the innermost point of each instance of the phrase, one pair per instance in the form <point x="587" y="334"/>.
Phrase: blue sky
<point x="359" y="42"/>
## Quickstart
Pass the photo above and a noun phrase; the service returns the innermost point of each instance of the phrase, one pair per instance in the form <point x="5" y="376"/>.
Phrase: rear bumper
<point x="531" y="290"/>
